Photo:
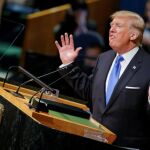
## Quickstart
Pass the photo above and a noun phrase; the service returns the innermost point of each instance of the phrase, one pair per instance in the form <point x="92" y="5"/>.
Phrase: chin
<point x="114" y="47"/>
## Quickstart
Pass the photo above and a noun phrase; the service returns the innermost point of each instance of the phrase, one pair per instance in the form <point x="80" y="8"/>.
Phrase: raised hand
<point x="66" y="50"/>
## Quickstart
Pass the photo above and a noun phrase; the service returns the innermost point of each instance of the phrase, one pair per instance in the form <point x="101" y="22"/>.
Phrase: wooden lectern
<point x="24" y="127"/>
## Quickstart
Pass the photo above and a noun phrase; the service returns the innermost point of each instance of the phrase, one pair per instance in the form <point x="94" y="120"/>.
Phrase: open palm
<point x="66" y="50"/>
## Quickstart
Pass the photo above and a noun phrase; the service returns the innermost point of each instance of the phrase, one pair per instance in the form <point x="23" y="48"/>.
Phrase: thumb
<point x="78" y="49"/>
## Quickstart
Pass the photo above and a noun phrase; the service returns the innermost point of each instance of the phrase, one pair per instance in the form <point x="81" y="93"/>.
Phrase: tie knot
<point x="119" y="59"/>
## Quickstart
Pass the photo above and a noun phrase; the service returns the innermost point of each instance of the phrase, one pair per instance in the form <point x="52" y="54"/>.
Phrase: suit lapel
<point x="102" y="77"/>
<point x="131" y="69"/>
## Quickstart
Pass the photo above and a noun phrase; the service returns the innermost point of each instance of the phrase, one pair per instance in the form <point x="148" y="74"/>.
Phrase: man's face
<point x="119" y="34"/>
<point x="81" y="17"/>
<point x="91" y="56"/>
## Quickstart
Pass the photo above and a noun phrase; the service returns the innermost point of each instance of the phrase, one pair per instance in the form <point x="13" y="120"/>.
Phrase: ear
<point x="134" y="35"/>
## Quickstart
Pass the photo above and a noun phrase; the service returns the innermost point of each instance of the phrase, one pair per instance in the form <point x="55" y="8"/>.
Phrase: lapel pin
<point x="134" y="67"/>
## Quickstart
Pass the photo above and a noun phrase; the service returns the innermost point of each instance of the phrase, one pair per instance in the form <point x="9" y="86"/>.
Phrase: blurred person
<point x="146" y="35"/>
<point x="117" y="90"/>
<point x="85" y="33"/>
<point x="77" y="22"/>
<point x="91" y="54"/>
<point x="68" y="25"/>
<point x="80" y="12"/>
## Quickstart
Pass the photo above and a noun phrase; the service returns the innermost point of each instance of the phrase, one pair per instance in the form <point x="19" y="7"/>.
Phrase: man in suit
<point x="119" y="104"/>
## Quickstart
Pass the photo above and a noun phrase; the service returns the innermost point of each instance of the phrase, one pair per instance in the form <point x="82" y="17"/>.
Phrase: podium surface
<point x="28" y="129"/>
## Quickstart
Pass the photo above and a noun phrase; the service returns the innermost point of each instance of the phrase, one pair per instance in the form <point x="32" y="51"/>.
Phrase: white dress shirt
<point x="127" y="58"/>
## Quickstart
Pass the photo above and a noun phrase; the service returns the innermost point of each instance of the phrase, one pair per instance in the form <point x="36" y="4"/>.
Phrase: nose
<point x="112" y="29"/>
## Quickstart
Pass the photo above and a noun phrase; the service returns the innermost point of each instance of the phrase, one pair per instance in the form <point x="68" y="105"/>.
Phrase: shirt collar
<point x="130" y="54"/>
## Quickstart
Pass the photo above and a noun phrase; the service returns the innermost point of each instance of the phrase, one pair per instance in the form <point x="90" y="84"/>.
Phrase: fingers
<point x="66" y="39"/>
<point x="63" y="40"/>
<point x="71" y="40"/>
<point x="57" y="45"/>
<point x="78" y="49"/>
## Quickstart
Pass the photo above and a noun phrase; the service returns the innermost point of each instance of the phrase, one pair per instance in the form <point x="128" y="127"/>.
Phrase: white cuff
<point x="64" y="65"/>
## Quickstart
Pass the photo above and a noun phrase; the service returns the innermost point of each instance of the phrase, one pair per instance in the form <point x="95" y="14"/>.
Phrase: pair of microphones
<point x="45" y="87"/>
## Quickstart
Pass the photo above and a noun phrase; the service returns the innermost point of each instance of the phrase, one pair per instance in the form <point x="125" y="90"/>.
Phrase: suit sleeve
<point x="148" y="107"/>
<point x="78" y="80"/>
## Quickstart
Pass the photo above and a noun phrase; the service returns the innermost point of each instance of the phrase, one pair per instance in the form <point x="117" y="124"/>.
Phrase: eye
<point x="118" y="25"/>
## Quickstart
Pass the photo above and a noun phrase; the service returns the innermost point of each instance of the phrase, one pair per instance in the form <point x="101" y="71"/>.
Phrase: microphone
<point x="39" y="77"/>
<point x="11" y="67"/>
<point x="42" y="76"/>
<point x="61" y="77"/>
<point x="45" y="105"/>
<point x="42" y="84"/>
<point x="4" y="81"/>
<point x="46" y="90"/>
<point x="33" y="78"/>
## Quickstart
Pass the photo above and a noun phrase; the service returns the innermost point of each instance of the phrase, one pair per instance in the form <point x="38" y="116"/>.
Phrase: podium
<point x="24" y="128"/>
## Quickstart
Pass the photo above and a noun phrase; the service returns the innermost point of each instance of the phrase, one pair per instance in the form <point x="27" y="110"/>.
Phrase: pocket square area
<point x="132" y="87"/>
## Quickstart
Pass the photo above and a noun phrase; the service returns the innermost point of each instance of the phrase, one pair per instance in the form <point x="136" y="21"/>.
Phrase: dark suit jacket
<point x="127" y="113"/>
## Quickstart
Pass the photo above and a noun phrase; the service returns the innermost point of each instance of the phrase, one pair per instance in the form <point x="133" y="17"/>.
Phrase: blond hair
<point x="136" y="23"/>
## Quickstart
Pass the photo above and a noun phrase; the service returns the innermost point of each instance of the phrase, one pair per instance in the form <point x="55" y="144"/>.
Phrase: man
<point x="122" y="106"/>
<point x="91" y="54"/>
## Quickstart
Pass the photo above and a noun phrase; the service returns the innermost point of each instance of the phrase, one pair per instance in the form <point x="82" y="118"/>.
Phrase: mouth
<point x="111" y="36"/>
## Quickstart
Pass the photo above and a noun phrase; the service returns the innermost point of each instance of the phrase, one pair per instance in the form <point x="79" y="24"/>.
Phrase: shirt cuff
<point x="64" y="65"/>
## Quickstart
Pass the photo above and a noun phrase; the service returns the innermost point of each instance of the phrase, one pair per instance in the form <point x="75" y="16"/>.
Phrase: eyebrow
<point x="115" y="23"/>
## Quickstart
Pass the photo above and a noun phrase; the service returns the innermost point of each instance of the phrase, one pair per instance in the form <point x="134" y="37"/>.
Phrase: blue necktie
<point x="113" y="78"/>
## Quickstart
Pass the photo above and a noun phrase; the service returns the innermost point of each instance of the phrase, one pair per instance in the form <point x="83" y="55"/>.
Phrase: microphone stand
<point x="14" y="93"/>
<point x="42" y="84"/>
<point x="12" y="67"/>
<point x="44" y="90"/>
<point x="34" y="95"/>
<point x="39" y="102"/>
<point x="39" y="77"/>
<point x="38" y="106"/>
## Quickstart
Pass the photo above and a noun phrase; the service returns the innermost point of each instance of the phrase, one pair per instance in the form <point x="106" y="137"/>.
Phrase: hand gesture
<point x="66" y="50"/>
